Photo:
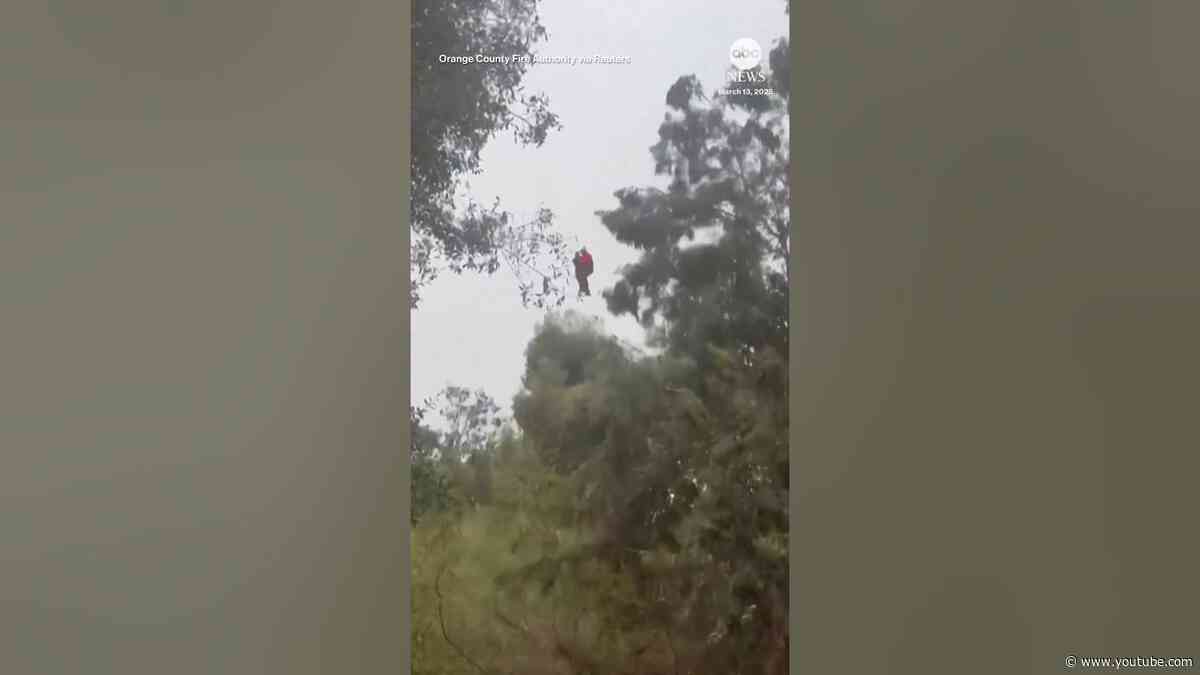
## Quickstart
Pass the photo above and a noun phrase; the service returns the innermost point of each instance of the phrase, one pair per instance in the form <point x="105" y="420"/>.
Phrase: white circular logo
<point x="745" y="54"/>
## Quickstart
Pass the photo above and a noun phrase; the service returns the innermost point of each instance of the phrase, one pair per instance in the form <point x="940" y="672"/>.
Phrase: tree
<point x="452" y="463"/>
<point x="729" y="159"/>
<point x="457" y="109"/>
<point x="472" y="420"/>
<point x="680" y="462"/>
<point x="686" y="496"/>
<point x="427" y="476"/>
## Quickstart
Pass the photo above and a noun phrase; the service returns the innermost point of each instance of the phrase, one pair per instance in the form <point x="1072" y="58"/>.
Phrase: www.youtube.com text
<point x="1130" y="663"/>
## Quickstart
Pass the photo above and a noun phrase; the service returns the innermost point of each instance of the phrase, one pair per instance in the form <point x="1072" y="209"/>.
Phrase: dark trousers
<point x="583" y="285"/>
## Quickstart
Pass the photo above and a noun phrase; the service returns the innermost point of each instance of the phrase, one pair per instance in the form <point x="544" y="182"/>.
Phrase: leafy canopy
<point x="457" y="109"/>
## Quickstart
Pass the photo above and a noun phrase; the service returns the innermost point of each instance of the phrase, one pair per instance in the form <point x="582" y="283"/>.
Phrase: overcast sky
<point x="471" y="330"/>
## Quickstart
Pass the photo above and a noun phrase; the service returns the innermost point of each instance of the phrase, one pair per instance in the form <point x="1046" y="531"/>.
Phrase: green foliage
<point x="428" y="480"/>
<point x="481" y="602"/>
<point x="457" y="109"/>
<point x="638" y="521"/>
<point x="687" y="493"/>
<point x="622" y="560"/>
<point x="729" y="160"/>
<point x="453" y="463"/>
<point x="472" y="419"/>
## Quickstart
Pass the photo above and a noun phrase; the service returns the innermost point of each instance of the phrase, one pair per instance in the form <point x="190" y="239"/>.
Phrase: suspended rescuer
<point x="583" y="270"/>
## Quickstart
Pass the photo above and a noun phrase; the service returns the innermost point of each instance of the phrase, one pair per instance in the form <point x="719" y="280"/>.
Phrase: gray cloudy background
<point x="471" y="330"/>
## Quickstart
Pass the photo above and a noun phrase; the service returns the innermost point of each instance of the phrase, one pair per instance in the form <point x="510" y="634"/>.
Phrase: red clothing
<point x="583" y="264"/>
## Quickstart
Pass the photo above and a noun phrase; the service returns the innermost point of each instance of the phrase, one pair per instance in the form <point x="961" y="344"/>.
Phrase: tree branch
<point x="442" y="621"/>
<point x="671" y="646"/>
<point x="529" y="124"/>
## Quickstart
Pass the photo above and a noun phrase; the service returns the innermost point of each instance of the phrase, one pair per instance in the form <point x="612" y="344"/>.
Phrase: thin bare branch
<point x="442" y="620"/>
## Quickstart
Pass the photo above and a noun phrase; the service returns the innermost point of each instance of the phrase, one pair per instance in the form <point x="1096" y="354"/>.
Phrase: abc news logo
<point x="746" y="54"/>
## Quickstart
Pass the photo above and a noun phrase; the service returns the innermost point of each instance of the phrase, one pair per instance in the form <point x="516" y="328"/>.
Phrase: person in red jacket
<point x="583" y="269"/>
